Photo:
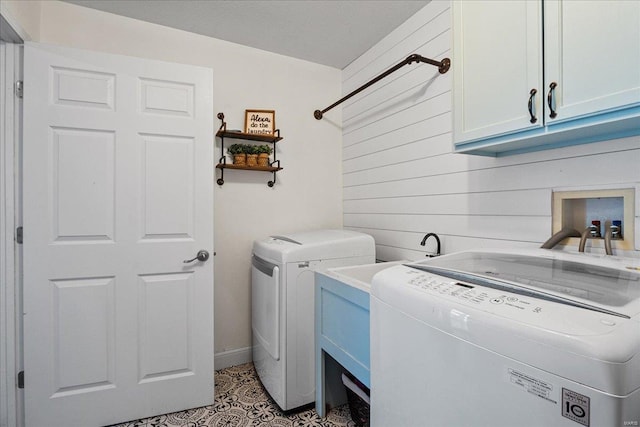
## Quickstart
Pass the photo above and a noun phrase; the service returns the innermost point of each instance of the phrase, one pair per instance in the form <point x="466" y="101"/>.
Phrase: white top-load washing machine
<point x="282" y="294"/>
<point x="496" y="338"/>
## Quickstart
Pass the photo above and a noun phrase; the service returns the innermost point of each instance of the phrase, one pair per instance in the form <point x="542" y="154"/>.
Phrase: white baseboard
<point x="230" y="358"/>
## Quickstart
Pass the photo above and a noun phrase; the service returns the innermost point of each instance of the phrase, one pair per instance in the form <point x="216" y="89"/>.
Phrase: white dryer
<point x="490" y="338"/>
<point x="282" y="300"/>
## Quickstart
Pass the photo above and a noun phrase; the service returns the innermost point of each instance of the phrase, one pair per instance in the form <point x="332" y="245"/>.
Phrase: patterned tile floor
<point x="241" y="401"/>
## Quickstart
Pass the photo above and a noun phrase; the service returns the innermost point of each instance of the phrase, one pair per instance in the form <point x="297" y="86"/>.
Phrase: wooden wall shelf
<point x="249" y="168"/>
<point x="223" y="133"/>
<point x="248" y="136"/>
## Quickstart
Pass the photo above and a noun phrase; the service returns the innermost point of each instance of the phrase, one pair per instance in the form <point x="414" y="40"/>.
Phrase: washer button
<point x="496" y="301"/>
<point x="607" y="322"/>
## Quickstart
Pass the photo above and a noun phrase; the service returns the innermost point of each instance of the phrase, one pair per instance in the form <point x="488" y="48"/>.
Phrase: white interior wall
<point x="23" y="16"/>
<point x="401" y="179"/>
<point x="307" y="194"/>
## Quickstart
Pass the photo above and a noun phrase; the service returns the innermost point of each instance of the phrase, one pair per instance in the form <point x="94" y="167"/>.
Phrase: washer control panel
<point x="433" y="297"/>
<point x="476" y="295"/>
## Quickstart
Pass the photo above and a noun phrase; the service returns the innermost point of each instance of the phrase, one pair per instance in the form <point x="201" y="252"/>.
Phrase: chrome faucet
<point x="424" y="241"/>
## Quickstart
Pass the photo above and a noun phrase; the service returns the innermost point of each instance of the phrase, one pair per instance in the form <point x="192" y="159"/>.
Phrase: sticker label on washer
<point x="575" y="406"/>
<point x="532" y="385"/>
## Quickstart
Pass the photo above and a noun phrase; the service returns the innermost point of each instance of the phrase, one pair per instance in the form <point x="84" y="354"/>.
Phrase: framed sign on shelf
<point x="260" y="122"/>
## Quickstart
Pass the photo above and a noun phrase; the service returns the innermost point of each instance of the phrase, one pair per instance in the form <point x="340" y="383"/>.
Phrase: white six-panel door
<point x="118" y="191"/>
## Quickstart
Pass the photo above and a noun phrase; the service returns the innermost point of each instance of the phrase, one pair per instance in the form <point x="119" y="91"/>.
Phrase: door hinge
<point x="19" y="88"/>
<point x="19" y="235"/>
<point x="21" y="379"/>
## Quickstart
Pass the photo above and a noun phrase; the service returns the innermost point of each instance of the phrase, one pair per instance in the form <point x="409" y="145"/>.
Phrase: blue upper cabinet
<point x="533" y="75"/>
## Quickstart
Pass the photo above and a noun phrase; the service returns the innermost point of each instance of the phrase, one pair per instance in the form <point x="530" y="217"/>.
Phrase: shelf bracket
<point x="272" y="183"/>
<point x="223" y="158"/>
<point x="223" y="161"/>
<point x="223" y="126"/>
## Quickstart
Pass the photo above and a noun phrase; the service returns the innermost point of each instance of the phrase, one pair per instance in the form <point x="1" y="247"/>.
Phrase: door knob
<point x="201" y="256"/>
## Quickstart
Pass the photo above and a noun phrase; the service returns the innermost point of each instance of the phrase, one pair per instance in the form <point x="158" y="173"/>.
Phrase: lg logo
<point x="575" y="406"/>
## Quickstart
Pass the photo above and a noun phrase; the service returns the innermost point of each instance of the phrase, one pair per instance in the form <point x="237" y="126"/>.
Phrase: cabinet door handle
<point x="531" y="95"/>
<point x="552" y="86"/>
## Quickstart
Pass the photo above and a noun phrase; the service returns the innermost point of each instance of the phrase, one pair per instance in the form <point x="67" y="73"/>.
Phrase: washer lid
<point x="594" y="283"/>
<point x="315" y="245"/>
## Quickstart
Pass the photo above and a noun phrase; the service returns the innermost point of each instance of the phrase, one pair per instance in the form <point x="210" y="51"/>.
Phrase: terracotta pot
<point x="240" y="159"/>
<point x="252" y="160"/>
<point x="263" y="159"/>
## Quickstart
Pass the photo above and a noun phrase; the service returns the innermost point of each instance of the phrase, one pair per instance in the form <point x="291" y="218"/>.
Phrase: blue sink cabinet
<point x="342" y="332"/>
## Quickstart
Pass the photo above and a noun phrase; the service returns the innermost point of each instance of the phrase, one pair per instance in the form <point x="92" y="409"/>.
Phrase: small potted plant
<point x="239" y="154"/>
<point x="252" y="155"/>
<point x="263" y="155"/>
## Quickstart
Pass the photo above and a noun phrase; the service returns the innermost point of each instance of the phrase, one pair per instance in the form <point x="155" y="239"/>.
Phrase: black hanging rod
<point x="443" y="67"/>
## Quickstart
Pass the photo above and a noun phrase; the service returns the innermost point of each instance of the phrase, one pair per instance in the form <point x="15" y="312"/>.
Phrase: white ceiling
<point x="329" y="32"/>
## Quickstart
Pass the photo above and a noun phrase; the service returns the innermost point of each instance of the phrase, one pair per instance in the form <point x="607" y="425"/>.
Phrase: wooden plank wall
<point x="401" y="179"/>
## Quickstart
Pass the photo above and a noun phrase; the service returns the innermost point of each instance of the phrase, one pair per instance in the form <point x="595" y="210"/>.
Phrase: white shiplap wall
<point x="401" y="179"/>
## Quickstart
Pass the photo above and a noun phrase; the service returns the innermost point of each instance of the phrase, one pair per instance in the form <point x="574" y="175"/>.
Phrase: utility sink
<point x="359" y="276"/>
<point x="342" y="320"/>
